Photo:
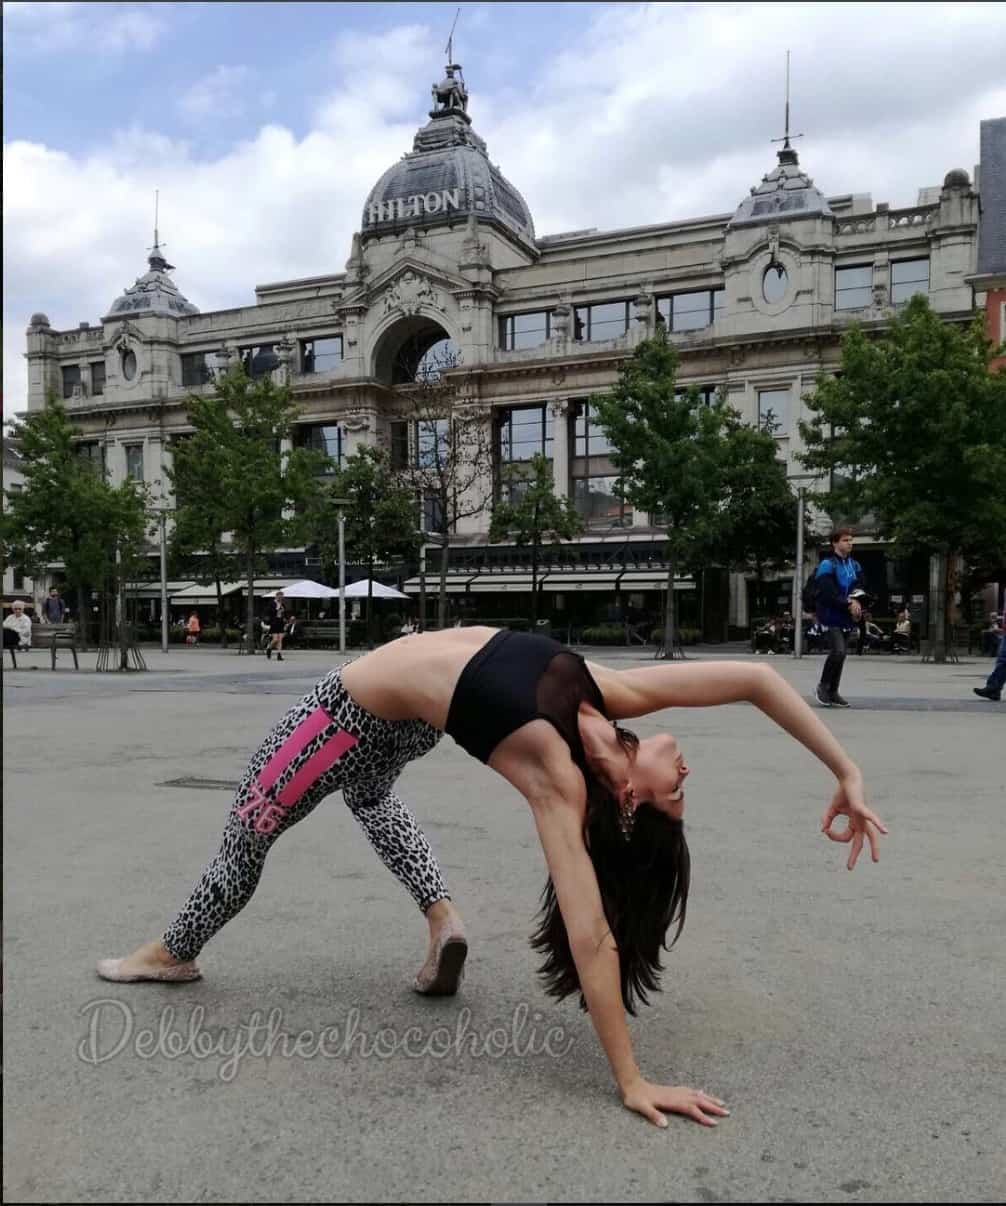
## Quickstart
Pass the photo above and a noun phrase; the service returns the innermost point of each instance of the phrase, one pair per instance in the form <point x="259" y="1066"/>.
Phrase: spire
<point x="157" y="261"/>
<point x="787" y="155"/>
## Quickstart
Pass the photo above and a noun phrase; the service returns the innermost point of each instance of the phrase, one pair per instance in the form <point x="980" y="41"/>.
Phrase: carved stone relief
<point x="409" y="293"/>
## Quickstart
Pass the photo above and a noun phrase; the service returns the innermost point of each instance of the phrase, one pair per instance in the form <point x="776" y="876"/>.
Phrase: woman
<point x="192" y="627"/>
<point x="608" y="808"/>
<point x="17" y="628"/>
<point x="277" y="626"/>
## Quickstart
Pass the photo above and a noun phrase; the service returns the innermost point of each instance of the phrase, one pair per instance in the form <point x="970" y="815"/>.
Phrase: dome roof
<point x="957" y="178"/>
<point x="785" y="193"/>
<point x="154" y="293"/>
<point x="39" y="320"/>
<point x="447" y="176"/>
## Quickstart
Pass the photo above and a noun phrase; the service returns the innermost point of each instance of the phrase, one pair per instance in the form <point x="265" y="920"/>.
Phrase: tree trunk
<point x="220" y="613"/>
<point x="442" y="612"/>
<point x="669" y="621"/>
<point x="936" y="649"/>
<point x="83" y="627"/>
<point x="250" y="601"/>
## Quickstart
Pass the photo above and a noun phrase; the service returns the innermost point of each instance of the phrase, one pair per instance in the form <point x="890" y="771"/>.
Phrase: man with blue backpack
<point x="827" y="594"/>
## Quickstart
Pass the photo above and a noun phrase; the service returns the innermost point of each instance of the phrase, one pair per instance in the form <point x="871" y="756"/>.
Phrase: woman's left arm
<point x="630" y="693"/>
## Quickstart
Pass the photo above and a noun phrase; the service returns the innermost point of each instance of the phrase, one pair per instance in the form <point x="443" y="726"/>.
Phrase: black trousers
<point x="831" y="675"/>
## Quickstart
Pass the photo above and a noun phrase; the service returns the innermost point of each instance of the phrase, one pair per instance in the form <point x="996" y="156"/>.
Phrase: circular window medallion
<point x="129" y="365"/>
<point x="774" y="283"/>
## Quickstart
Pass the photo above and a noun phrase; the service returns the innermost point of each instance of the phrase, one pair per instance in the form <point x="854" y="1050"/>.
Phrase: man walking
<point x="993" y="689"/>
<point x="837" y="614"/>
<point x="53" y="608"/>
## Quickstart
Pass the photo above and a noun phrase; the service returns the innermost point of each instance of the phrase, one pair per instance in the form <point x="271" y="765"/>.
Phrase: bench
<point x="52" y="637"/>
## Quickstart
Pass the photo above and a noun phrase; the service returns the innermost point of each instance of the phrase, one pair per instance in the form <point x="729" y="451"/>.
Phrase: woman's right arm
<point x="560" y="827"/>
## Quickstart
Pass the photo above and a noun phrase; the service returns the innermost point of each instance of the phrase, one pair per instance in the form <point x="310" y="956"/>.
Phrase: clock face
<point x="129" y="365"/>
<point x="773" y="285"/>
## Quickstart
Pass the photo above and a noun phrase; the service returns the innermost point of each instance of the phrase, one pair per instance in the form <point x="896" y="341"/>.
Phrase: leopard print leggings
<point x="325" y="743"/>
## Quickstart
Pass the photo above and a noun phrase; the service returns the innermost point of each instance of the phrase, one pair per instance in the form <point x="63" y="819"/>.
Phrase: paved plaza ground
<point x="854" y="1023"/>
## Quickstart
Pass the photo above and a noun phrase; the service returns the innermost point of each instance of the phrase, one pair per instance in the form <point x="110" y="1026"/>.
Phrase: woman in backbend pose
<point x="608" y="809"/>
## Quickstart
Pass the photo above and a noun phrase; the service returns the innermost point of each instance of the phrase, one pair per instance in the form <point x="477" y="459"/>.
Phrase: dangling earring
<point x="627" y="816"/>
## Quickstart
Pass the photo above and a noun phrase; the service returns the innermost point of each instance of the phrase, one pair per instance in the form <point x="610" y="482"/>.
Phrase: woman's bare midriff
<point x="413" y="677"/>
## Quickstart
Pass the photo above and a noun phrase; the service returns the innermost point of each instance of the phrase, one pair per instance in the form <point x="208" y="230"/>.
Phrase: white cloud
<point x="219" y="95"/>
<point x="51" y="27"/>
<point x="646" y="114"/>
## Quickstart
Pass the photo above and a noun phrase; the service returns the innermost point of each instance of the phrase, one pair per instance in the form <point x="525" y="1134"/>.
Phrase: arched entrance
<point x="415" y="349"/>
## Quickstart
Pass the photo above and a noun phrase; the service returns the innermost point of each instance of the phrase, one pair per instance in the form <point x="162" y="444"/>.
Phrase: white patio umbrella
<point x="358" y="590"/>
<point x="306" y="589"/>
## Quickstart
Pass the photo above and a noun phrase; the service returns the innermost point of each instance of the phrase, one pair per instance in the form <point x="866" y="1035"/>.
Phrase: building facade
<point x="447" y="256"/>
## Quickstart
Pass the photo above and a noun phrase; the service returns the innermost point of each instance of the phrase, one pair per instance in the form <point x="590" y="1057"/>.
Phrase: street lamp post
<point x="798" y="571"/>
<point x="429" y="539"/>
<point x="340" y="505"/>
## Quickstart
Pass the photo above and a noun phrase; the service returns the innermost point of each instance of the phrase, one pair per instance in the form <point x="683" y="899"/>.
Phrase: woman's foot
<point x="150" y="962"/>
<point x="443" y="971"/>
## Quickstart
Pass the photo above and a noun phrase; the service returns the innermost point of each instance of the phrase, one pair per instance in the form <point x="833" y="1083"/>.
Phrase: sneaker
<point x="988" y="693"/>
<point x="822" y="696"/>
<point x="838" y="701"/>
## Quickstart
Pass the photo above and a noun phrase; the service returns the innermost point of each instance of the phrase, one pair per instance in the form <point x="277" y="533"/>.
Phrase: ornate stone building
<point x="756" y="301"/>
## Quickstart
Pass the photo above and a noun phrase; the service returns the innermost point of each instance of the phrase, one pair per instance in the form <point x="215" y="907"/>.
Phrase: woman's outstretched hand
<point x="650" y="1100"/>
<point x="849" y="801"/>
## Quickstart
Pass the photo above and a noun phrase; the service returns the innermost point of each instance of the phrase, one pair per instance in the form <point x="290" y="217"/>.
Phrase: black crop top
<point x="513" y="679"/>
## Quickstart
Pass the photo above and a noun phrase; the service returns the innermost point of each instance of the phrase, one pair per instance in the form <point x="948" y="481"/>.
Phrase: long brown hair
<point x="644" y="885"/>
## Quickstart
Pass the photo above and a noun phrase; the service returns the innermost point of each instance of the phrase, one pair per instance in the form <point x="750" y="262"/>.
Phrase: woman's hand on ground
<point x="849" y="801"/>
<point x="650" y="1100"/>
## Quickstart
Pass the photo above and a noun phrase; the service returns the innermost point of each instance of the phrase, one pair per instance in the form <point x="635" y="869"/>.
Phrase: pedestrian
<point x="837" y="613"/>
<point x="608" y="809"/>
<point x="192" y="627"/>
<point x="20" y="625"/>
<point x="901" y="641"/>
<point x="53" y="608"/>
<point x="277" y="626"/>
<point x="993" y="689"/>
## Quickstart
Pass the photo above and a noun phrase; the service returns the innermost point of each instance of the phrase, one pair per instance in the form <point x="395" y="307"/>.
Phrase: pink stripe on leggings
<point x="315" y="767"/>
<point x="304" y="733"/>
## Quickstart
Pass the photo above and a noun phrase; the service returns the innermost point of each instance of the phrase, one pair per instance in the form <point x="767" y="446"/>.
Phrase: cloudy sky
<point x="265" y="125"/>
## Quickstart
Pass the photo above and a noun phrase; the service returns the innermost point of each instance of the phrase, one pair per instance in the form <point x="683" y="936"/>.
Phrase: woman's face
<point x="658" y="773"/>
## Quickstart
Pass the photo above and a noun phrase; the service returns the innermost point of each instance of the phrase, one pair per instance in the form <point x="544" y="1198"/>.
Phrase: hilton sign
<point x="414" y="206"/>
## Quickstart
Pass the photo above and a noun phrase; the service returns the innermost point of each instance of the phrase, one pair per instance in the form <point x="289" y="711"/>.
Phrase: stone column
<point x="559" y="411"/>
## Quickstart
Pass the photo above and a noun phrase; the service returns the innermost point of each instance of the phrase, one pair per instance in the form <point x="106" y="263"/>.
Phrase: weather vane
<point x="450" y="40"/>
<point x="157" y="201"/>
<point x="786" y="137"/>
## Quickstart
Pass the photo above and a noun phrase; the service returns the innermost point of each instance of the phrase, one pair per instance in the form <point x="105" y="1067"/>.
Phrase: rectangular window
<point x="773" y="407"/>
<point x="599" y="505"/>
<point x="17" y="578"/>
<point x="320" y="355"/>
<point x="433" y="514"/>
<point x="606" y="320"/>
<point x="908" y="277"/>
<point x="97" y="377"/>
<point x="93" y="452"/>
<point x="260" y="360"/>
<point x="325" y="438"/>
<point x="195" y="370"/>
<point x="519" y="331"/>
<point x="853" y="287"/>
<point x="71" y="378"/>
<point x="399" y="444"/>
<point x="523" y="431"/>
<point x="589" y="439"/>
<point x="433" y="443"/>
<point x="707" y="393"/>
<point x="134" y="462"/>
<point x="691" y="311"/>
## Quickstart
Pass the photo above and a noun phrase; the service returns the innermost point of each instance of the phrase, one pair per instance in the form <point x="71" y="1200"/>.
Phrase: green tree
<point x="669" y="450"/>
<point x="913" y="434"/>
<point x="232" y="469"/>
<point x="534" y="515"/>
<point x="67" y="511"/>
<point x="380" y="518"/>
<point x="198" y="545"/>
